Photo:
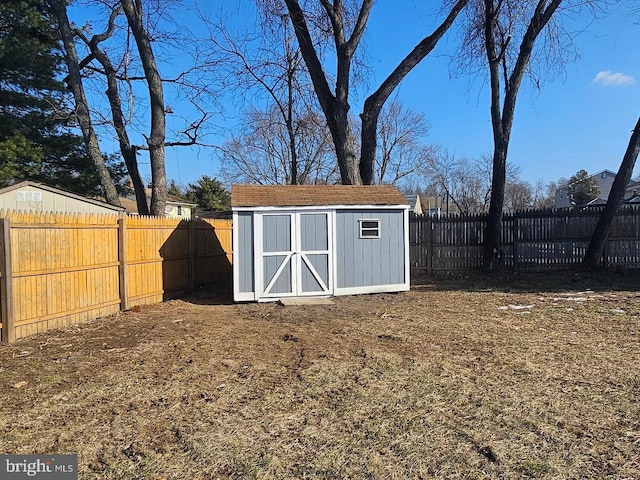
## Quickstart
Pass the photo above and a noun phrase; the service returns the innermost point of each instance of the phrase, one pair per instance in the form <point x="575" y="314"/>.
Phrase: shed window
<point x="369" y="228"/>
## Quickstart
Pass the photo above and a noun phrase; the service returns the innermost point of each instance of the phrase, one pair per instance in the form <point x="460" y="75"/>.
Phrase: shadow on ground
<point x="218" y="292"/>
<point x="529" y="282"/>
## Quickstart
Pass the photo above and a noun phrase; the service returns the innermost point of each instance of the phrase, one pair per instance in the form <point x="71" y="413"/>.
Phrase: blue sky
<point x="580" y="120"/>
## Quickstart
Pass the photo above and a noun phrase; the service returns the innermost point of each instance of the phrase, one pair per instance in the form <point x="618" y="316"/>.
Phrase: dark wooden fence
<point x="530" y="240"/>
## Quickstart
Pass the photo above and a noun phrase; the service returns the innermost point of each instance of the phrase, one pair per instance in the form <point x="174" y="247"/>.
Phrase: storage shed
<point x="320" y="240"/>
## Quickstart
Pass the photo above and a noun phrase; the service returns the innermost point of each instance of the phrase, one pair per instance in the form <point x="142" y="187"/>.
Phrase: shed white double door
<point x="293" y="257"/>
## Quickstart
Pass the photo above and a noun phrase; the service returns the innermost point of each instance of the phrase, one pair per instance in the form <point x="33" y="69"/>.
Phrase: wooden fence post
<point x="6" y="283"/>
<point x="122" y="258"/>
<point x="192" y="254"/>
<point x="516" y="243"/>
<point x="429" y="243"/>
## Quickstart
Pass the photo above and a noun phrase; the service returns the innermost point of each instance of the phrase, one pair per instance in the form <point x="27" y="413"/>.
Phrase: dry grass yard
<point x="531" y="376"/>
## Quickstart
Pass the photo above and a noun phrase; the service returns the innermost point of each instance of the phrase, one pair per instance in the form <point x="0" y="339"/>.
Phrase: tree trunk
<point x="502" y="114"/>
<point x="598" y="239"/>
<point x="335" y="107"/>
<point x="82" y="107"/>
<point x="128" y="151"/>
<point x="374" y="103"/>
<point x="288" y="120"/>
<point x="156" y="139"/>
<point x="345" y="148"/>
<point x="496" y="204"/>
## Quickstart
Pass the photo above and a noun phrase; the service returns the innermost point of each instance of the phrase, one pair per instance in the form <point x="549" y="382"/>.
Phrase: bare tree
<point x="129" y="151"/>
<point x="266" y="72"/>
<point x="59" y="9"/>
<point x="347" y="27"/>
<point x="261" y="153"/>
<point x="156" y="139"/>
<point x="502" y="35"/>
<point x="402" y="152"/>
<point x="108" y="58"/>
<point x="374" y="103"/>
<point x="518" y="195"/>
<point x="464" y="182"/>
<point x="599" y="237"/>
<point x="467" y="183"/>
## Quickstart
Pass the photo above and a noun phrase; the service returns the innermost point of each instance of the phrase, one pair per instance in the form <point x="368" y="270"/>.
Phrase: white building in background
<point x="175" y="207"/>
<point x="31" y="196"/>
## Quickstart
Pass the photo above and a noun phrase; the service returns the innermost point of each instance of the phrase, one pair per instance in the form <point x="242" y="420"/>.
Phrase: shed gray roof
<point x="314" y="195"/>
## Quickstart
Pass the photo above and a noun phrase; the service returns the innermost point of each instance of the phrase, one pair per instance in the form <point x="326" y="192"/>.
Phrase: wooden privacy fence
<point x="530" y="240"/>
<point x="61" y="269"/>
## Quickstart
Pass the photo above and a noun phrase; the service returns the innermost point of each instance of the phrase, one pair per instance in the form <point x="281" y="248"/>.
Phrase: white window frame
<point x="362" y="229"/>
<point x="29" y="196"/>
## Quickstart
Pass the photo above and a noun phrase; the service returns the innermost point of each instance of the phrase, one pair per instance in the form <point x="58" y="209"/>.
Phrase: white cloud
<point x="608" y="79"/>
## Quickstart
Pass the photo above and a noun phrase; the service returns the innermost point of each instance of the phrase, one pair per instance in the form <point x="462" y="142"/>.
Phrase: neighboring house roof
<point x="596" y="202"/>
<point x="314" y="195"/>
<point x="412" y="199"/>
<point x="129" y="205"/>
<point x="42" y="186"/>
<point x="414" y="203"/>
<point x="633" y="187"/>
<point x="611" y="174"/>
<point x="432" y="201"/>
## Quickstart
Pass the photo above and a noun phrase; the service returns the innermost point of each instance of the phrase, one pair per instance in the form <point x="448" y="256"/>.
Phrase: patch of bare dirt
<point x="530" y="376"/>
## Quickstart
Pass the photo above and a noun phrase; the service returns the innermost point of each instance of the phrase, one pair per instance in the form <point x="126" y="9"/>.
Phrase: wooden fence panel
<point x="419" y="241"/>
<point x="64" y="269"/>
<point x="157" y="258"/>
<point x="623" y="246"/>
<point x="456" y="243"/>
<point x="530" y="241"/>
<point x="213" y="249"/>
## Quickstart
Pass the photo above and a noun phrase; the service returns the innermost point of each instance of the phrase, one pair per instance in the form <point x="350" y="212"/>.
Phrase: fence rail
<point x="61" y="269"/>
<point x="530" y="241"/>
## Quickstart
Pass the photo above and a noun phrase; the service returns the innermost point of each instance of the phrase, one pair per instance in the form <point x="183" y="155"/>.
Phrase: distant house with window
<point x="604" y="179"/>
<point x="175" y="207"/>
<point x="29" y="196"/>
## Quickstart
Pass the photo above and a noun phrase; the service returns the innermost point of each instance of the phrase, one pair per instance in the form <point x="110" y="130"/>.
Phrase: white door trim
<point x="296" y="257"/>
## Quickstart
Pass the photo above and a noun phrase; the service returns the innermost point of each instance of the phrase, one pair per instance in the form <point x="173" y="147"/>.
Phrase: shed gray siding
<point x="314" y="228"/>
<point x="321" y="265"/>
<point x="276" y="233"/>
<point x="283" y="282"/>
<point x="369" y="261"/>
<point x="244" y="257"/>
